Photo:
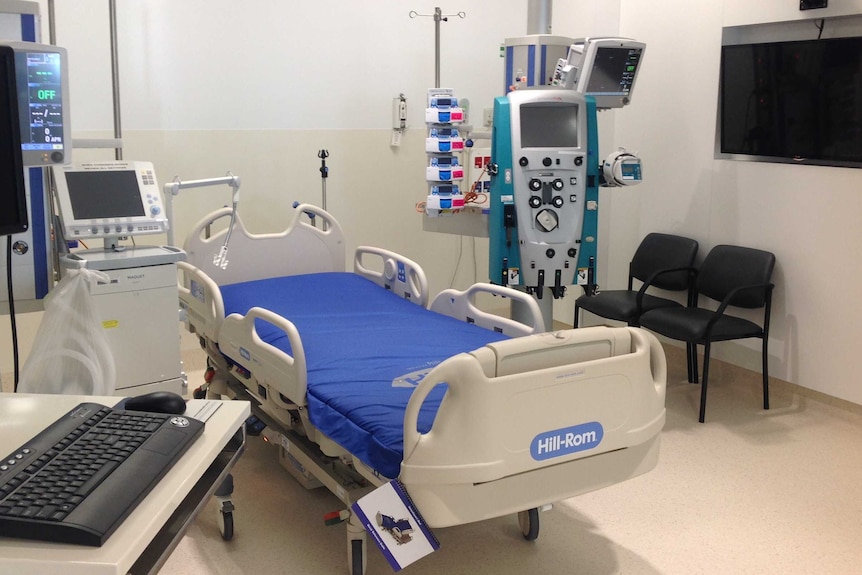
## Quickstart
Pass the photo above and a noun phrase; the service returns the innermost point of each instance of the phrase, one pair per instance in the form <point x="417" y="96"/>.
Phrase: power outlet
<point x="488" y="117"/>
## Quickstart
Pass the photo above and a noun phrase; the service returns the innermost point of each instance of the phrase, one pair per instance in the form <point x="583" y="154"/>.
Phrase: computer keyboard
<point x="83" y="475"/>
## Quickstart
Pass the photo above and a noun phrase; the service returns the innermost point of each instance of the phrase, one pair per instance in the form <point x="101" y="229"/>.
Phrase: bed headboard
<point x="301" y="248"/>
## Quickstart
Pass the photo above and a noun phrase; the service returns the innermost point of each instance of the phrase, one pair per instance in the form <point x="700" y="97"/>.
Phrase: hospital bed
<point x="361" y="380"/>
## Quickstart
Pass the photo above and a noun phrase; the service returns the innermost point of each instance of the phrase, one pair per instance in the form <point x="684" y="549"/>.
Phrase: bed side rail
<point x="403" y="276"/>
<point x="200" y="300"/>
<point x="275" y="370"/>
<point x="461" y="305"/>
<point x="299" y="249"/>
<point x="491" y="426"/>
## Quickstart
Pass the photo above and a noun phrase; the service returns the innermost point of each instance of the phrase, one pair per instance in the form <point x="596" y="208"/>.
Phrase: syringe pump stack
<point x="443" y="146"/>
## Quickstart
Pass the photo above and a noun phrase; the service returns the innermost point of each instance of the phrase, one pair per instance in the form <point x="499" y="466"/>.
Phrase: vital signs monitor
<point x="109" y="199"/>
<point x="42" y="78"/>
<point x="604" y="68"/>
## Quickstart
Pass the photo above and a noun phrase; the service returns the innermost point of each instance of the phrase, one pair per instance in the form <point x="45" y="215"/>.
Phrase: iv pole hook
<point x="438" y="17"/>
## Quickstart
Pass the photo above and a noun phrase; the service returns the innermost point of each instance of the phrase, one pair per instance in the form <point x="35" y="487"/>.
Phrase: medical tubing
<point x="98" y="380"/>
<point x="58" y="302"/>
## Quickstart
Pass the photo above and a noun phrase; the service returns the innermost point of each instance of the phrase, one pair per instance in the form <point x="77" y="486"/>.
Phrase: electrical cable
<point x="471" y="197"/>
<point x="822" y="25"/>
<point x="12" y="310"/>
<point x="458" y="261"/>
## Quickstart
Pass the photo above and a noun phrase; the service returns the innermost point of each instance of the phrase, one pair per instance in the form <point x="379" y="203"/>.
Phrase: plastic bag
<point x="70" y="353"/>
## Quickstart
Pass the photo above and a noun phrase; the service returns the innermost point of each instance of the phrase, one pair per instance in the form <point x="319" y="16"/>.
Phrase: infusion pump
<point x="621" y="168"/>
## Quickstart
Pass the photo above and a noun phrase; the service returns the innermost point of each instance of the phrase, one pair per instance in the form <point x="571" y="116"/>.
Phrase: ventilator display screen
<point x="549" y="125"/>
<point x="107" y="194"/>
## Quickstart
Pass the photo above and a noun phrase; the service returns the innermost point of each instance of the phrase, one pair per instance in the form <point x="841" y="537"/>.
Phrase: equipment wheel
<point x="529" y="522"/>
<point x="225" y="524"/>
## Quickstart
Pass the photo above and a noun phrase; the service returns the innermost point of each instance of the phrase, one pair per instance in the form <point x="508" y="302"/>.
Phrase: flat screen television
<point x="793" y="101"/>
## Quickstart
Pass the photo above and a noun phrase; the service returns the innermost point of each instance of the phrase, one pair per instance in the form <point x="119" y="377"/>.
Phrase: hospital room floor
<point x="750" y="491"/>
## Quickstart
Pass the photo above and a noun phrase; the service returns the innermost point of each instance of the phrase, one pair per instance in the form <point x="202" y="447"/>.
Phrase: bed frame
<point x="479" y="460"/>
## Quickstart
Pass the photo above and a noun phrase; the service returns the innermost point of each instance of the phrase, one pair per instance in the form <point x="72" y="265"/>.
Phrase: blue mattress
<point x="366" y="349"/>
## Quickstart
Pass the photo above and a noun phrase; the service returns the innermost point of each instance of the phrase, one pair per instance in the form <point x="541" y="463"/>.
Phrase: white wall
<point x="807" y="215"/>
<point x="259" y="87"/>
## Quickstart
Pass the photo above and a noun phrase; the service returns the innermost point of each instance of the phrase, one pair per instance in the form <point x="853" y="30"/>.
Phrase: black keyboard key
<point x="96" y="478"/>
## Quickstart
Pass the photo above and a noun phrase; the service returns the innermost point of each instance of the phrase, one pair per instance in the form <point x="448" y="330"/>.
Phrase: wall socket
<point x="488" y="117"/>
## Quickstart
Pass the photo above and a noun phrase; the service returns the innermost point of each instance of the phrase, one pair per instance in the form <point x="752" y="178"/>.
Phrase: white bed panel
<point x="460" y="305"/>
<point x="485" y="426"/>
<point x="201" y="301"/>
<point x="301" y="248"/>
<point x="394" y="272"/>
<point x="448" y="504"/>
<point x="272" y="368"/>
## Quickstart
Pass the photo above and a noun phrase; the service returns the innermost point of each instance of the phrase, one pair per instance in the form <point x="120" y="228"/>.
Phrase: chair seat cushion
<point x="689" y="324"/>
<point x="621" y="305"/>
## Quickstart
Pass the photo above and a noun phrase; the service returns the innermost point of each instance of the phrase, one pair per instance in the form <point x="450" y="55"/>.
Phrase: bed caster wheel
<point x="529" y="522"/>
<point x="225" y="508"/>
<point x="225" y="524"/>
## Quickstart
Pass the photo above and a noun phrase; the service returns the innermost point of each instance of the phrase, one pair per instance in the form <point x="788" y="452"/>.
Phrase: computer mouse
<point x="157" y="402"/>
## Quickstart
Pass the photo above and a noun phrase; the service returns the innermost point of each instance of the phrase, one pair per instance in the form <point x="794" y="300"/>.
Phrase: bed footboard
<point x="460" y="305"/>
<point x="402" y="276"/>
<point x="533" y="420"/>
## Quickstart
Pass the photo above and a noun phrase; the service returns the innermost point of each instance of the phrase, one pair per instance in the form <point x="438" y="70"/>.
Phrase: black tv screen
<point x="799" y="101"/>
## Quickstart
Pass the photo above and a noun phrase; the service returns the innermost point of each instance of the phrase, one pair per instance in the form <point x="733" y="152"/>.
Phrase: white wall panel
<point x="273" y="65"/>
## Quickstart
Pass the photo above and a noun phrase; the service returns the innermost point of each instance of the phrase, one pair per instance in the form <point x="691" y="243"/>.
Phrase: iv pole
<point x="324" y="173"/>
<point x="438" y="17"/>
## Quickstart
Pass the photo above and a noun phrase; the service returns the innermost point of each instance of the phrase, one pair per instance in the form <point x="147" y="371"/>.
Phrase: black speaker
<point x="13" y="197"/>
<point x="812" y="4"/>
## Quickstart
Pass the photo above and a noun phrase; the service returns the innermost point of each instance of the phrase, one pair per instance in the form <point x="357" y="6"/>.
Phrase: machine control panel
<point x="549" y="140"/>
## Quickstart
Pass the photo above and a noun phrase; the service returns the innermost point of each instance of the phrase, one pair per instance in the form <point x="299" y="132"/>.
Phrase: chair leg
<point x="691" y="349"/>
<point x="703" y="382"/>
<point x="765" y="376"/>
<point x="576" y="321"/>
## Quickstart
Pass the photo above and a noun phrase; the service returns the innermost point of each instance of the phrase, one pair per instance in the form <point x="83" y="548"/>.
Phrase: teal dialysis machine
<point x="546" y="169"/>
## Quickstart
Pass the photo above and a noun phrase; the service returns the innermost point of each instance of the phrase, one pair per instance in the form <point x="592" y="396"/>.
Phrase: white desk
<point x="142" y="543"/>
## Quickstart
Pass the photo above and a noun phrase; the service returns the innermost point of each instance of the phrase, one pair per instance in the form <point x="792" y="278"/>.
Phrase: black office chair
<point x="734" y="276"/>
<point x="663" y="261"/>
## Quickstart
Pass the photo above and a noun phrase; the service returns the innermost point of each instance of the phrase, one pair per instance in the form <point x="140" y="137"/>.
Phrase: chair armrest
<point x="733" y="293"/>
<point x="649" y="281"/>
